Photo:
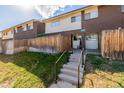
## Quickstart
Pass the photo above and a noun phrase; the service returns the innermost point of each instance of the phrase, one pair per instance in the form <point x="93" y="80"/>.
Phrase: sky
<point x="11" y="15"/>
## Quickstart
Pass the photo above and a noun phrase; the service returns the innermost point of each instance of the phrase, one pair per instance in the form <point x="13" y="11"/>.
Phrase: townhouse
<point x="27" y="30"/>
<point x="86" y="24"/>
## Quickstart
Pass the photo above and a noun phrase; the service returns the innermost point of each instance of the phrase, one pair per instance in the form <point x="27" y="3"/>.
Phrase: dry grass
<point x="28" y="69"/>
<point x="107" y="74"/>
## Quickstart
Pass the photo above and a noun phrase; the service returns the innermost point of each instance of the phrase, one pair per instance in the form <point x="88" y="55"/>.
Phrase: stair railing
<point x="55" y="67"/>
<point x="82" y="62"/>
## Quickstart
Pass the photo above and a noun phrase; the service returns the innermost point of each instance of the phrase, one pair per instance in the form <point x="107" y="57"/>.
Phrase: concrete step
<point x="71" y="72"/>
<point x="72" y="67"/>
<point x="74" y="64"/>
<point x="70" y="79"/>
<point x="74" y="60"/>
<point x="63" y="84"/>
<point x="75" y="55"/>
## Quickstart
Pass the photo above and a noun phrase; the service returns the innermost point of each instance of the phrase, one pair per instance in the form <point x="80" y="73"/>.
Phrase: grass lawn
<point x="103" y="73"/>
<point x="28" y="69"/>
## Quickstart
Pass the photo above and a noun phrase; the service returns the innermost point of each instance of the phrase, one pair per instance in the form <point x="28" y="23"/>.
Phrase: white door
<point x="91" y="42"/>
<point x="76" y="44"/>
<point x="76" y="41"/>
<point x="9" y="47"/>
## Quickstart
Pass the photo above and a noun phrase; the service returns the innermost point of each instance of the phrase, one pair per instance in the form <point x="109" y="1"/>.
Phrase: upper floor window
<point x="20" y="28"/>
<point x="75" y="19"/>
<point x="29" y="27"/>
<point x="5" y="33"/>
<point x="91" y="15"/>
<point x="54" y="24"/>
<point x="122" y="8"/>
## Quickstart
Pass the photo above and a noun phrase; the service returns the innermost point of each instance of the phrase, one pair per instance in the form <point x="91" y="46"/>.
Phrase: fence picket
<point x="113" y="44"/>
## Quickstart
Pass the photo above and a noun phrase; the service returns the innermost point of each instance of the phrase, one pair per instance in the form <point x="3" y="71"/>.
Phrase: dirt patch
<point x="7" y="83"/>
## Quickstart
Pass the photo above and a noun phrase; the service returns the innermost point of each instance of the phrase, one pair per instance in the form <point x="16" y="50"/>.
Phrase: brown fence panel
<point x="20" y="45"/>
<point x="113" y="44"/>
<point x="60" y="42"/>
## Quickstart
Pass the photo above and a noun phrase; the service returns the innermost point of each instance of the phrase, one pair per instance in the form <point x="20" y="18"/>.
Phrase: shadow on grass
<point x="39" y="64"/>
<point x="112" y="71"/>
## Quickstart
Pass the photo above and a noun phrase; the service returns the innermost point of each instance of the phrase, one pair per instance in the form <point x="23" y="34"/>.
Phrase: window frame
<point x="76" y="19"/>
<point x="92" y="15"/>
<point x="122" y="8"/>
<point x="55" y="24"/>
<point x="87" y="18"/>
<point x="22" y="28"/>
<point x="29" y="27"/>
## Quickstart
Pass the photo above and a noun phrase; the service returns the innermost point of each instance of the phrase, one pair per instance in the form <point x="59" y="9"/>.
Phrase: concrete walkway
<point x="68" y="78"/>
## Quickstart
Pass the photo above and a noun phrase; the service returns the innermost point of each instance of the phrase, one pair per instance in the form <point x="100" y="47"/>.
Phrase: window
<point x="24" y="28"/>
<point x="92" y="37"/>
<point x="20" y="28"/>
<point x="87" y="16"/>
<point x="5" y="33"/>
<point x="91" y="15"/>
<point x="29" y="27"/>
<point x="122" y="8"/>
<point x="75" y="19"/>
<point x="54" y="24"/>
<point x="94" y="14"/>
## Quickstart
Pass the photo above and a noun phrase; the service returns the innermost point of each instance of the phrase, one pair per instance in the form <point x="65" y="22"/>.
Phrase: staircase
<point x="68" y="78"/>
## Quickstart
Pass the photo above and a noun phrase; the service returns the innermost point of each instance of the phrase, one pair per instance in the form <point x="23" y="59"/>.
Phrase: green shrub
<point x="96" y="61"/>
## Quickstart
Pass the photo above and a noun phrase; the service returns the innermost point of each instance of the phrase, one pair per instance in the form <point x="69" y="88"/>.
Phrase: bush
<point x="96" y="61"/>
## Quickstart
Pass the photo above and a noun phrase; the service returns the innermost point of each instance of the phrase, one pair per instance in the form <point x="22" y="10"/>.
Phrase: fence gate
<point x="8" y="46"/>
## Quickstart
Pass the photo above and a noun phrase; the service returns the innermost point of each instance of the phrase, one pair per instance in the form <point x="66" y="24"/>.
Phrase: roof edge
<point x="44" y="20"/>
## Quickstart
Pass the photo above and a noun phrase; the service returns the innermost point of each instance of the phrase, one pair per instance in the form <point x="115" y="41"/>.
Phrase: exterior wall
<point x="0" y="34"/>
<point x="90" y="9"/>
<point x="109" y="17"/>
<point x="38" y="28"/>
<point x="9" y="34"/>
<point x="65" y="24"/>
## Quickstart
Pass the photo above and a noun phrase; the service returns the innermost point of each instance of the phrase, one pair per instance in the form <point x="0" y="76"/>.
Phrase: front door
<point x="77" y="42"/>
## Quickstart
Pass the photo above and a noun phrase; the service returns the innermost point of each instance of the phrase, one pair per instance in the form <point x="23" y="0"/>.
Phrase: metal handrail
<point x="84" y="60"/>
<point x="56" y="67"/>
<point x="79" y="69"/>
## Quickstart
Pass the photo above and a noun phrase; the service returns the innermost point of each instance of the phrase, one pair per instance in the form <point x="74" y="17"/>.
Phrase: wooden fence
<point x="20" y="45"/>
<point x="113" y="44"/>
<point x="60" y="42"/>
